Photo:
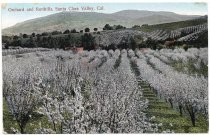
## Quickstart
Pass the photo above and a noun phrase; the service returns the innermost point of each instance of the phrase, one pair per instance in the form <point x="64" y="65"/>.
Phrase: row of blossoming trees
<point x="186" y="92"/>
<point x="79" y="93"/>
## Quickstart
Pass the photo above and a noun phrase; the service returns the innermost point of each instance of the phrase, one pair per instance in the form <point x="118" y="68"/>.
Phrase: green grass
<point x="178" y="124"/>
<point x="197" y="130"/>
<point x="182" y="124"/>
<point x="163" y="112"/>
<point x="150" y="95"/>
<point x="158" y="106"/>
<point x="152" y="98"/>
<point x="8" y="120"/>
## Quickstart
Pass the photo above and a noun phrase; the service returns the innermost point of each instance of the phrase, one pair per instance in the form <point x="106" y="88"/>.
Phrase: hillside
<point x="175" y="25"/>
<point x="80" y="20"/>
<point x="192" y="32"/>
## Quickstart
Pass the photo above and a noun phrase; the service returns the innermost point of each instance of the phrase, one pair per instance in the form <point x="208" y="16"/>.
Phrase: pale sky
<point x="10" y="18"/>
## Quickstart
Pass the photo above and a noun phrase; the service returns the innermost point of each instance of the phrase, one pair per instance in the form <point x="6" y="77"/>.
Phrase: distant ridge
<point x="80" y="20"/>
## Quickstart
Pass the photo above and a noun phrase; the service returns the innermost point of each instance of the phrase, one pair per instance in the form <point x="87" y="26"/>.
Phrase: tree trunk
<point x="54" y="126"/>
<point x="61" y="130"/>
<point x="21" y="130"/>
<point x="192" y="114"/>
<point x="180" y="110"/>
<point x="171" y="102"/>
<point x="22" y="127"/>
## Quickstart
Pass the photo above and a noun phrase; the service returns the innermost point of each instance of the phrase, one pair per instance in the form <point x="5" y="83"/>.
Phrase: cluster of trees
<point x="88" y="41"/>
<point x="135" y="42"/>
<point x="81" y="31"/>
<point x="138" y="26"/>
<point x="114" y="27"/>
<point x="69" y="31"/>
<point x="138" y="42"/>
<point x="55" y="39"/>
